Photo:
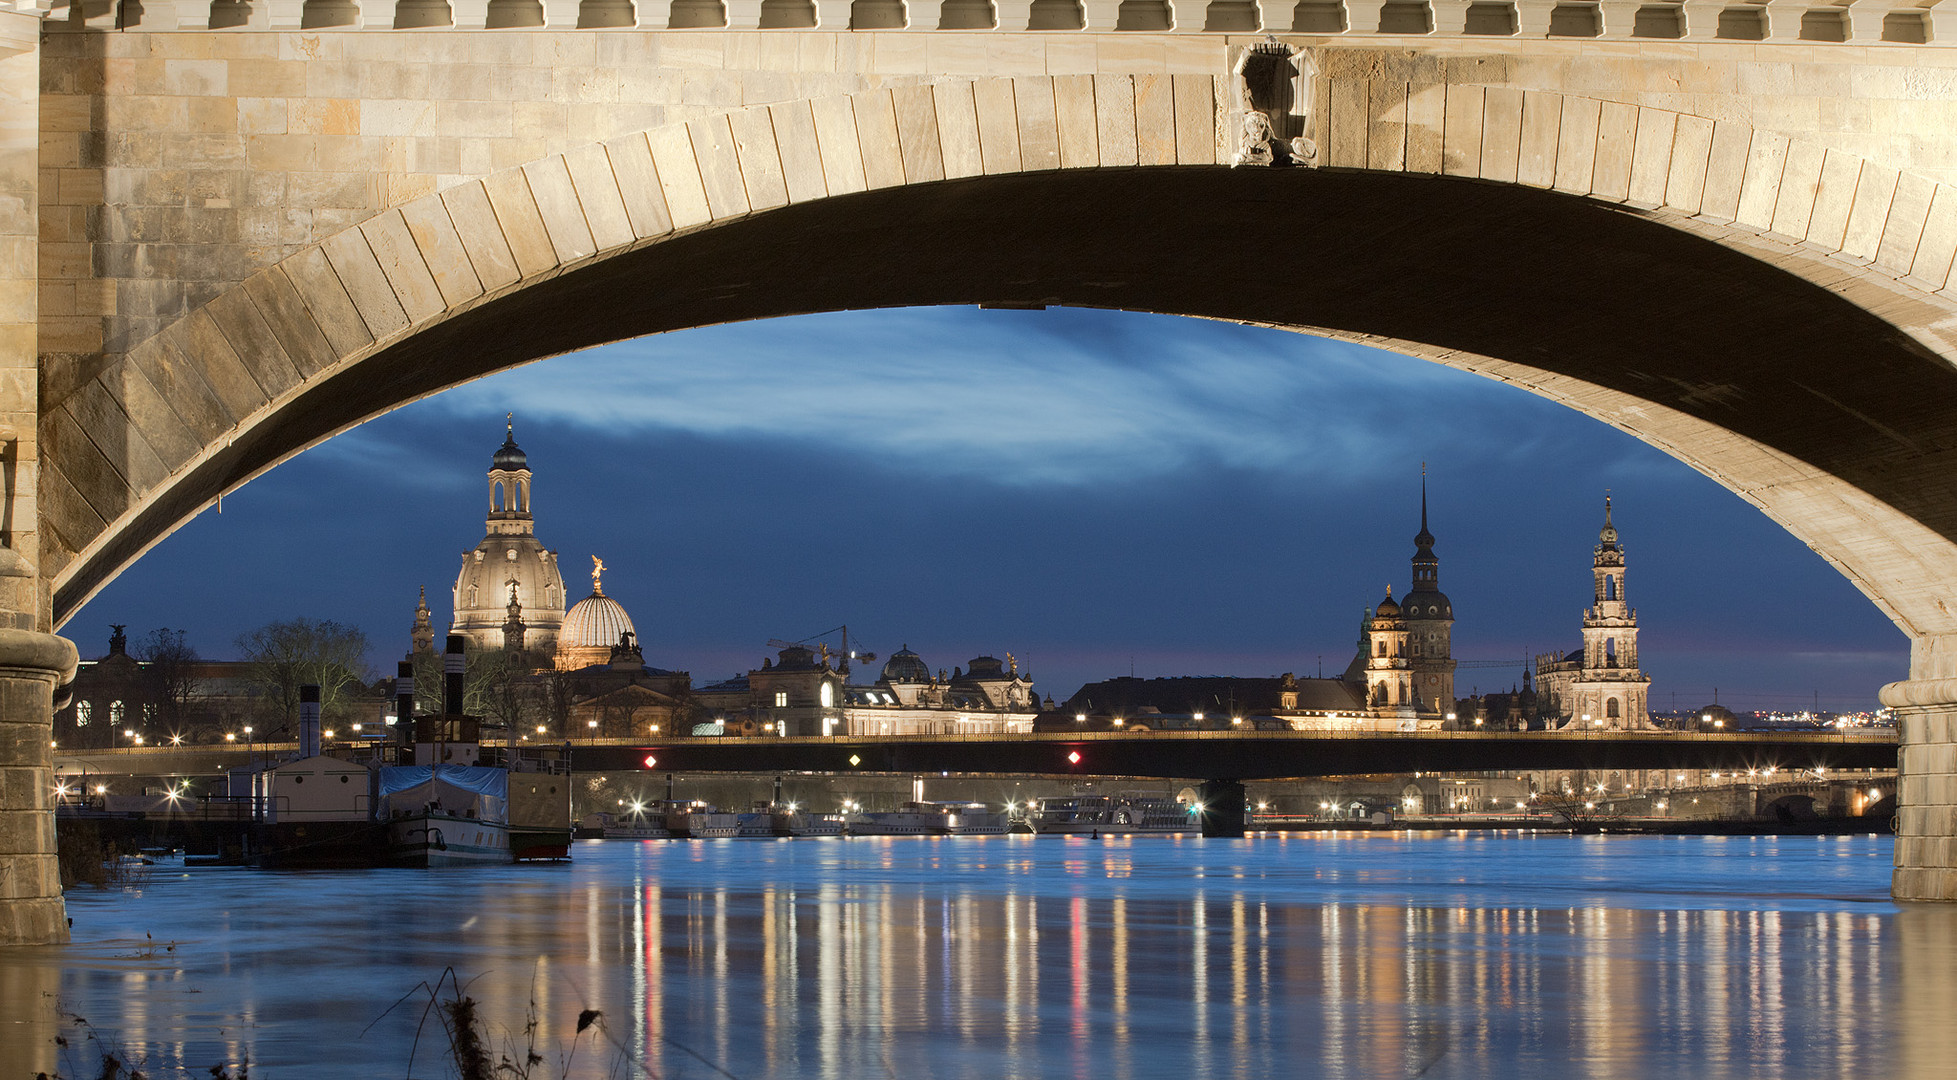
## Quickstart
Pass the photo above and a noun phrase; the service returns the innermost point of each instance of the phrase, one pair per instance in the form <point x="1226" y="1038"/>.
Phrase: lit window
<point x="828" y="694"/>
<point x="82" y="711"/>
<point x="781" y="699"/>
<point x="115" y="712"/>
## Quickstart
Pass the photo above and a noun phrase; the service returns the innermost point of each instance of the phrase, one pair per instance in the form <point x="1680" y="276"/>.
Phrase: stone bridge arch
<point x="1770" y="311"/>
<point x="266" y="369"/>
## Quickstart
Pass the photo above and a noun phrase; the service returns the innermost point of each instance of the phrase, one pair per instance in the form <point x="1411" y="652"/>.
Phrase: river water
<point x="1308" y="954"/>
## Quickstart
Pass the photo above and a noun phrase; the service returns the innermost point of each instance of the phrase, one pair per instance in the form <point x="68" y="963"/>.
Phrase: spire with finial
<point x="1607" y="536"/>
<point x="514" y="630"/>
<point x="424" y="627"/>
<point x="1424" y="541"/>
<point x="509" y="456"/>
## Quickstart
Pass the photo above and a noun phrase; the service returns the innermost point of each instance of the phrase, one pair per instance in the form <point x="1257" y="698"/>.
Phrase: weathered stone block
<point x="753" y="131"/>
<point x="679" y="176"/>
<point x="998" y="122"/>
<point x="523" y="226"/>
<point x="298" y="333"/>
<point x="590" y="170"/>
<point x="1039" y="125"/>
<point x="366" y="284"/>
<point x="312" y="277"/>
<point x="720" y="166"/>
<point x="205" y="346"/>
<point x="1766" y="159"/>
<point x="876" y="137"/>
<point x="152" y="417"/>
<point x="237" y="317"/>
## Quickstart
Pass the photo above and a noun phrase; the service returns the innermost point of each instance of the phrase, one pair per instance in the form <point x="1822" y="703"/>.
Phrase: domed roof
<point x="985" y="665"/>
<point x="594" y="622"/>
<point x="905" y="666"/>
<point x="1387" y="607"/>
<point x="509" y="455"/>
<point x="1432" y="604"/>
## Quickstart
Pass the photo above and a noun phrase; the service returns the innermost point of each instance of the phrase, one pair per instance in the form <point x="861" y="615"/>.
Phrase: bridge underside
<point x="1768" y="383"/>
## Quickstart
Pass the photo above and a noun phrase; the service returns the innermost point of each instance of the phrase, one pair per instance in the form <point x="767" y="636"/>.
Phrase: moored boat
<point x="910" y="819"/>
<point x="539" y="808"/>
<point x="1117" y="815"/>
<point x="1150" y="814"/>
<point x="1078" y="814"/>
<point x="446" y="815"/>
<point x="973" y="819"/>
<point x="790" y="821"/>
<point x="691" y="819"/>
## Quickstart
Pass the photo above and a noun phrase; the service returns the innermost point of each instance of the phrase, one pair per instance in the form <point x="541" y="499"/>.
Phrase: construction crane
<point x="842" y="659"/>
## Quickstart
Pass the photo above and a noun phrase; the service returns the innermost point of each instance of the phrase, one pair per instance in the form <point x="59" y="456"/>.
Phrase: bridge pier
<point x="1926" y="772"/>
<point x="1223" y="808"/>
<point x="31" y="666"/>
<point x="32" y="663"/>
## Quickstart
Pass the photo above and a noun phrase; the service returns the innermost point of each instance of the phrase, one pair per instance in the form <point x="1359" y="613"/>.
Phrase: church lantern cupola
<point x="510" y="566"/>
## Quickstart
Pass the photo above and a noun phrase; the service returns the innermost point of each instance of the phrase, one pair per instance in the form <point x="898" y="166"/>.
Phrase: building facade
<point x="800" y="692"/>
<point x="1600" y="686"/>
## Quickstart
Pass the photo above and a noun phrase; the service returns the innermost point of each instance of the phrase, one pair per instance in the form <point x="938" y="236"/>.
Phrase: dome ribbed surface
<point x="905" y="666"/>
<point x="594" y="622"/>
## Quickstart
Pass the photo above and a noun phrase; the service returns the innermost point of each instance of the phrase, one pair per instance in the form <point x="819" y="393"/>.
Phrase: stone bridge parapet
<point x="1863" y="22"/>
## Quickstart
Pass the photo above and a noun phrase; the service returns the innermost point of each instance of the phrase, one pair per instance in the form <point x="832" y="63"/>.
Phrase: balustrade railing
<point x="1777" y="21"/>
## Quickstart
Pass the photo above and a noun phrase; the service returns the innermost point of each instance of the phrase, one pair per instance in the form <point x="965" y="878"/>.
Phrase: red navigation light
<point x="1074" y="757"/>
<point x="651" y="761"/>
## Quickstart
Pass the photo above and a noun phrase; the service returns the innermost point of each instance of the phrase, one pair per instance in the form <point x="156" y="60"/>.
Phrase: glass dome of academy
<point x="509" y="556"/>
<point x="592" y="627"/>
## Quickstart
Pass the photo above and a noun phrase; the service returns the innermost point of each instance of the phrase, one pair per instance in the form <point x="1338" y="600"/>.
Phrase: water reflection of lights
<point x="1332" y="954"/>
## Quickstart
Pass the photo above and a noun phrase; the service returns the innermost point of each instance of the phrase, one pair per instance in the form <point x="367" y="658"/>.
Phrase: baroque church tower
<point x="1609" y="689"/>
<point x="1389" y="679"/>
<point x="1429" y="617"/>
<point x="510" y="567"/>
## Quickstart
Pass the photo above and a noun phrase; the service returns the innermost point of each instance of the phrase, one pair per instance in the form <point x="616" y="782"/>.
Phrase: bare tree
<point x="559" y="693"/>
<point x="170" y="668"/>
<point x="283" y="656"/>
<point x="500" y="690"/>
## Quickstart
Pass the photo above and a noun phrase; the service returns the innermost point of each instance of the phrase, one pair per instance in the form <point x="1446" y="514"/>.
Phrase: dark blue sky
<point x="1088" y="490"/>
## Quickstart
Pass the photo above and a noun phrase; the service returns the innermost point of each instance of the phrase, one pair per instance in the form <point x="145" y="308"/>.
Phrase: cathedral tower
<point x="1609" y="688"/>
<point x="510" y="565"/>
<point x="1430" y="624"/>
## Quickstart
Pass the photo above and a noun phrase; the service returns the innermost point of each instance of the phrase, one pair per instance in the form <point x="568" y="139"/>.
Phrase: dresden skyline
<point x="1088" y="490"/>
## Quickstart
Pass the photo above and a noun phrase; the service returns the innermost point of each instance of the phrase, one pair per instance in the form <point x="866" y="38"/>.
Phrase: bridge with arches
<point x="234" y="228"/>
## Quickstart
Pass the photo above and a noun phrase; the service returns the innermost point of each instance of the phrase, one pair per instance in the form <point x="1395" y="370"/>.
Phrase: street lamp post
<point x="251" y="767"/>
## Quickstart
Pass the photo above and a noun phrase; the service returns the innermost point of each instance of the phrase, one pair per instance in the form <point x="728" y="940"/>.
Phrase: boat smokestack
<point x="453" y="668"/>
<point x="404" y="697"/>
<point x="309" y="721"/>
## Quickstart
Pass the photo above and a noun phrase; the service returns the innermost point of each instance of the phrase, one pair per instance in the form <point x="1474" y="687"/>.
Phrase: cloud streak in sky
<point x="1067" y="397"/>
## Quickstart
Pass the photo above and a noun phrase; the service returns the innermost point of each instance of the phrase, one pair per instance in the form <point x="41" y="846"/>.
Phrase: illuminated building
<point x="509" y="565"/>
<point x="1600" y="685"/>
